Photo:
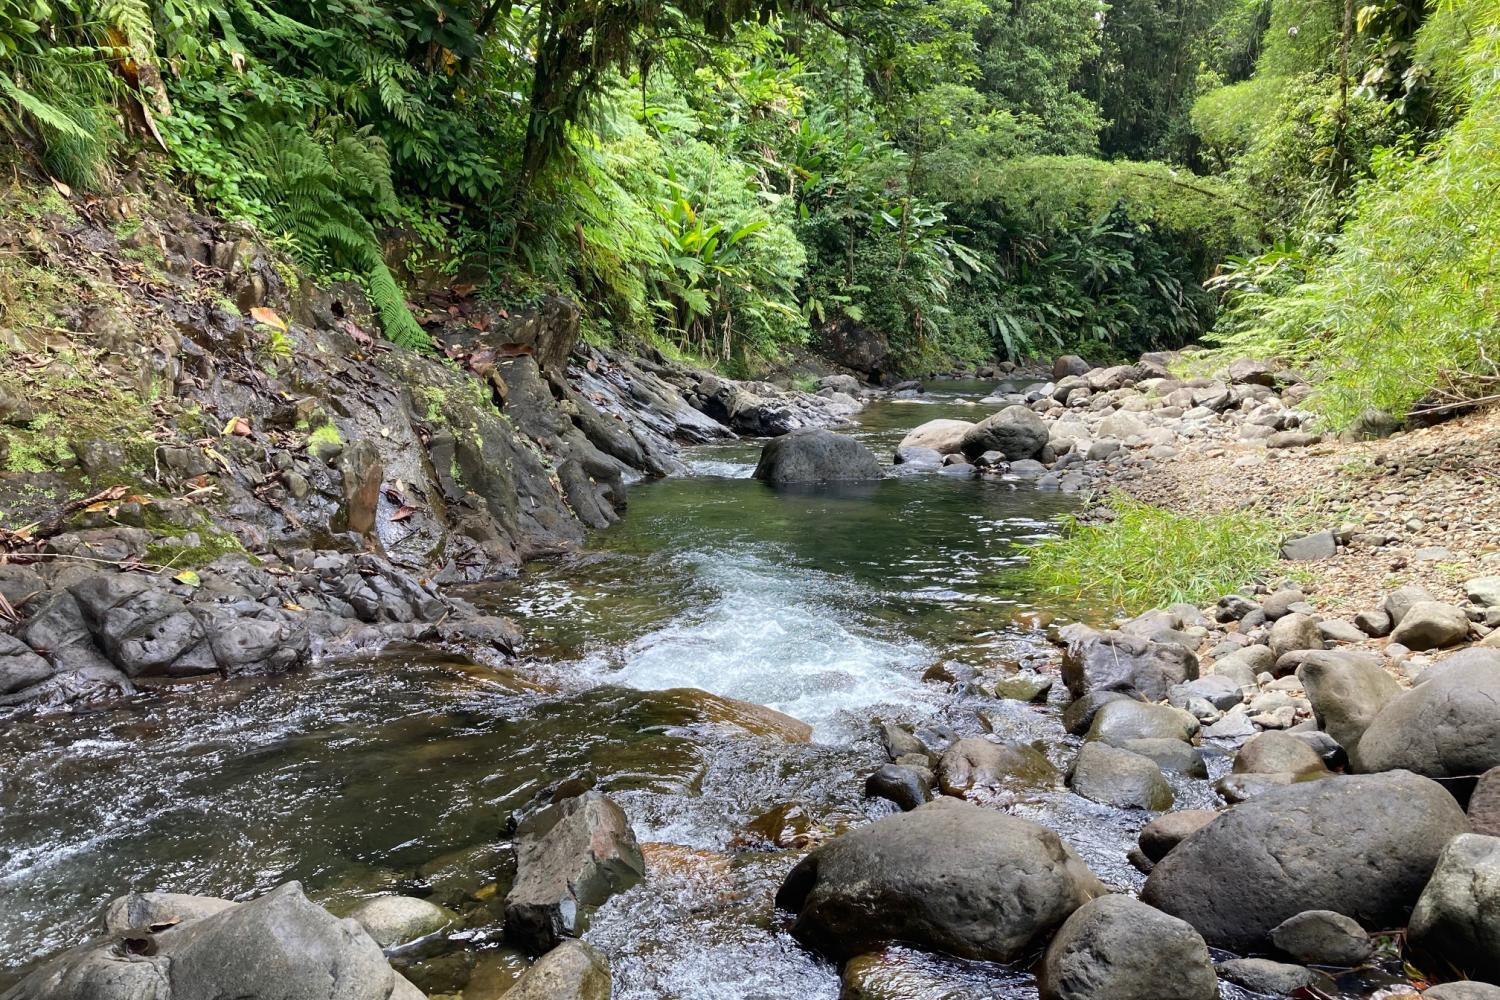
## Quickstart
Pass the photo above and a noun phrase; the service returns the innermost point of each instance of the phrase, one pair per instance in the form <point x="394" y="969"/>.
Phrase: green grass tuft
<point x="1145" y="557"/>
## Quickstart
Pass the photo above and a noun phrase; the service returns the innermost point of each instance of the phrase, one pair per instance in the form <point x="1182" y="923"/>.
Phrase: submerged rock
<point x="816" y="456"/>
<point x="1116" y="948"/>
<point x="1361" y="845"/>
<point x="571" y="857"/>
<point x="1261" y="975"/>
<point x="396" y="920"/>
<point x="280" y="945"/>
<point x="949" y="877"/>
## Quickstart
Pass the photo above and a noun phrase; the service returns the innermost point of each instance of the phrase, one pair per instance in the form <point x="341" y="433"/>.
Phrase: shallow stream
<point x="397" y="774"/>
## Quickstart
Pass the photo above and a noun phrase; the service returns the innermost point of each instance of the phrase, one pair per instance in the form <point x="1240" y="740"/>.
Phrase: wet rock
<point x="1122" y="949"/>
<point x="752" y="718"/>
<point x="1119" y="661"/>
<point x="1360" y="845"/>
<point x="396" y="920"/>
<point x="280" y="944"/>
<point x="901" y="785"/>
<point x="1454" y="918"/>
<point x="1322" y="937"/>
<point x="787" y="825"/>
<point x="1170" y="755"/>
<point x="1447" y="727"/>
<point x="570" y="858"/>
<point x="1307" y="548"/>
<point x="1463" y="991"/>
<point x="816" y="456"/>
<point x="1119" y="778"/>
<point x="1016" y="432"/>
<point x="946" y="437"/>
<point x="1119" y="721"/>
<point x="921" y="877"/>
<point x="574" y="970"/>
<point x="1277" y="753"/>
<point x="1024" y="686"/>
<point x="980" y="765"/>
<point x="1079" y="715"/>
<point x="1347" y="691"/>
<point x="1277" y="979"/>
<point x="1431" y="625"/>
<point x="1163" y="833"/>
<point x="900" y="741"/>
<point x="140" y="910"/>
<point x="20" y="667"/>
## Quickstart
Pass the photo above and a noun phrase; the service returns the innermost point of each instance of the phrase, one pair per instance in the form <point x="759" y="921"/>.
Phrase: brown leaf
<point x="269" y="317"/>
<point x="403" y="512"/>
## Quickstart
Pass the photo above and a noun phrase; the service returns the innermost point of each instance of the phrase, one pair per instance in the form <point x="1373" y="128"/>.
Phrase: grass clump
<point x="1145" y="557"/>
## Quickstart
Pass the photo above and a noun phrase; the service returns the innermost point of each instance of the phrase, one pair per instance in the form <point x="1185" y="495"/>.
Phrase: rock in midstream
<point x="948" y="876"/>
<point x="1118" y="948"/>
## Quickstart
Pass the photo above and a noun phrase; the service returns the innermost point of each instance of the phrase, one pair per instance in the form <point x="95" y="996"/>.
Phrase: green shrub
<point x="1145" y="557"/>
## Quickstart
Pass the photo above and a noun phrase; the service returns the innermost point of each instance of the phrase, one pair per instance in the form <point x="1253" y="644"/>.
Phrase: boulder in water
<point x="1016" y="432"/>
<point x="1118" y="948"/>
<point x="816" y="456"/>
<point x="397" y="920"/>
<point x="949" y="876"/>
<point x="570" y="858"/>
<point x="943" y="436"/>
<point x="1360" y="845"/>
<point x="981" y="766"/>
<point x="574" y="970"/>
<point x="1119" y="778"/>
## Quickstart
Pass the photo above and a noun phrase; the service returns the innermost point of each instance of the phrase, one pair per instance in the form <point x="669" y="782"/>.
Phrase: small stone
<point x="1323" y="937"/>
<point x="1277" y="979"/>
<point x="1375" y="624"/>
<point x="902" y="785"/>
<point x="1167" y="831"/>
<point x="1483" y="591"/>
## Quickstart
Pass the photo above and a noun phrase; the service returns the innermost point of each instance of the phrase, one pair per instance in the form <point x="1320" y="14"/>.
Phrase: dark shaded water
<point x="396" y="774"/>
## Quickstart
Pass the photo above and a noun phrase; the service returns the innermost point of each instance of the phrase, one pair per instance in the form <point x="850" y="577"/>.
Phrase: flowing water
<point x="397" y="773"/>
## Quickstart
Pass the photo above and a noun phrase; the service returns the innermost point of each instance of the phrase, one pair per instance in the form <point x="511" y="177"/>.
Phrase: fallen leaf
<point x="269" y="317"/>
<point x="237" y="426"/>
<point x="188" y="578"/>
<point x="403" y="512"/>
<point x="292" y="606"/>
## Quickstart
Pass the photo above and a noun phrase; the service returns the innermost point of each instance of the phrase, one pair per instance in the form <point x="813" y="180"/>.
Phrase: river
<point x="396" y="773"/>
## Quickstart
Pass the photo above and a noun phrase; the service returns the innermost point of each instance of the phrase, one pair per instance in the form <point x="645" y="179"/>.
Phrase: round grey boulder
<point x="1119" y="948"/>
<point x="1119" y="778"/>
<point x="1163" y="833"/>
<point x="1277" y="753"/>
<point x="1322" y="937"/>
<point x="1463" y="991"/>
<point x="1347" y="691"/>
<point x="1016" y="432"/>
<point x="948" y="876"/>
<point x="1119" y="721"/>
<point x="1360" y="845"/>
<point x="946" y="437"/>
<point x="1455" y="917"/>
<point x="816" y="456"/>
<point x="978" y="766"/>
<point x="1446" y="728"/>
<point x="1431" y="625"/>
<point x="394" y="920"/>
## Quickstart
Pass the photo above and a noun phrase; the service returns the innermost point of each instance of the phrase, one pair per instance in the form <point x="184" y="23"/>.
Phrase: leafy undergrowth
<point x="1145" y="557"/>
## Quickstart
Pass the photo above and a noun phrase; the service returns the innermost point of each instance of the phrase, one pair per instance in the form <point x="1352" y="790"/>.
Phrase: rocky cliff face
<point x="214" y="467"/>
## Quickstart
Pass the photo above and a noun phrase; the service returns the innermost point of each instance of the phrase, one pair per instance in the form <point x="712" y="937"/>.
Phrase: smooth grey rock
<point x="1308" y="548"/>
<point x="1261" y="975"/>
<point x="1335" y="630"/>
<point x="571" y="857"/>
<point x="1454" y="919"/>
<point x="1448" y="727"/>
<point x="1483" y="591"/>
<point x="1079" y="715"/>
<point x="1484" y="804"/>
<point x="1219" y="690"/>
<point x="1347" y="690"/>
<point x="901" y="785"/>
<point x="815" y="456"/>
<point x="1170" y="755"/>
<point x="1399" y="601"/>
<point x="1026" y="685"/>
<point x="1463" y="991"/>
<point x="1322" y="937"/>
<point x="396" y="920"/>
<point x="1375" y="624"/>
<point x="1278" y="605"/>
<point x="1360" y="845"/>
<point x="949" y="877"/>
<point x="1119" y="778"/>
<point x="147" y="909"/>
<point x="1122" y="949"/>
<point x="1016" y="432"/>
<point x="1277" y="753"/>
<point x="1294" y="632"/>
<point x="1118" y="721"/>
<point x="1431" y="625"/>
<point x="943" y="436"/>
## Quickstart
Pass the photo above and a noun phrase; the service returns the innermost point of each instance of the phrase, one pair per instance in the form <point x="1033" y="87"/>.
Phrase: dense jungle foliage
<point x="1310" y="179"/>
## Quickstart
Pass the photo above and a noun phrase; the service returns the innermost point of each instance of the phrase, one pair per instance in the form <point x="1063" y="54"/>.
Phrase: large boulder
<point x="946" y="437"/>
<point x="1361" y="845"/>
<point x="1120" y="721"/>
<point x="1069" y="364"/>
<point x="1016" y="432"/>
<point x="281" y="945"/>
<point x="1118" y="661"/>
<point x="1347" y="691"/>
<point x="1448" y="727"/>
<point x="816" y="456"/>
<point x="948" y="876"/>
<point x="1455" y="917"/>
<point x="571" y="857"/>
<point x="1117" y="948"/>
<point x="1431" y="625"/>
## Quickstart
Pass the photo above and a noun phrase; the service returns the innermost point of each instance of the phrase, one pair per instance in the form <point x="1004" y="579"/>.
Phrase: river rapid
<point x="397" y="773"/>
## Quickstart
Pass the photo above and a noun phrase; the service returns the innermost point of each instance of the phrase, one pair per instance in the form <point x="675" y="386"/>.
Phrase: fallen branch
<point x="56" y="525"/>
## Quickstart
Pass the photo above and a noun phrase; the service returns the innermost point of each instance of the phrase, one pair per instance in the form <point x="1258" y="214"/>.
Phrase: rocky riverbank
<point x="213" y="469"/>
